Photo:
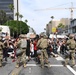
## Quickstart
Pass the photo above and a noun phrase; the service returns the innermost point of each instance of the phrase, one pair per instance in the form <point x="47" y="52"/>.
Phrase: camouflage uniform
<point x="43" y="44"/>
<point x="1" y="52"/>
<point x="22" y="56"/>
<point x="71" y="51"/>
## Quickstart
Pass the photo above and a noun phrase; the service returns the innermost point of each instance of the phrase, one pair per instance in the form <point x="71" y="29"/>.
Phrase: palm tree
<point x="52" y="17"/>
<point x="21" y="16"/>
<point x="11" y="7"/>
<point x="3" y="17"/>
<point x="17" y="11"/>
<point x="26" y="21"/>
<point x="17" y="14"/>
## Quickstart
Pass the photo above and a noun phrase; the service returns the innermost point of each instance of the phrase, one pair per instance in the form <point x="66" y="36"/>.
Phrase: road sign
<point x="54" y="29"/>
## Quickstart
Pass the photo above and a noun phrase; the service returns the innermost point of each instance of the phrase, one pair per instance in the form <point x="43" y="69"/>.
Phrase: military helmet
<point x="45" y="36"/>
<point x="22" y="36"/>
<point x="25" y="36"/>
<point x="42" y="34"/>
<point x="71" y="36"/>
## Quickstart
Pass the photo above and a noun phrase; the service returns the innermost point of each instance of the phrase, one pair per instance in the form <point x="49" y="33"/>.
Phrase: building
<point x="4" y="5"/>
<point x="55" y="23"/>
<point x="72" y="27"/>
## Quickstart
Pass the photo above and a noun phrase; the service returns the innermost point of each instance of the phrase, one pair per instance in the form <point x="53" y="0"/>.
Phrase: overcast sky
<point x="38" y="19"/>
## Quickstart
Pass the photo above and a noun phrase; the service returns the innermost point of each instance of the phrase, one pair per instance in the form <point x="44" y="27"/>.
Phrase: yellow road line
<point x="16" y="71"/>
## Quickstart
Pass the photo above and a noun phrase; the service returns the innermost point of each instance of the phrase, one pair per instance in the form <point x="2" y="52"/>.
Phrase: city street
<point x="56" y="68"/>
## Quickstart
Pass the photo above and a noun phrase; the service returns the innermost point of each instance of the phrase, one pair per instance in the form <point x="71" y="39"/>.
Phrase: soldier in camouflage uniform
<point x="71" y="45"/>
<point x="1" y="52"/>
<point x="22" y="56"/>
<point x="43" y="44"/>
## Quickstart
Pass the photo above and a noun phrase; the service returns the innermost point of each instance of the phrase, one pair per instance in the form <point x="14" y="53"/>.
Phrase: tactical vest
<point x="23" y="43"/>
<point x="72" y="44"/>
<point x="43" y="43"/>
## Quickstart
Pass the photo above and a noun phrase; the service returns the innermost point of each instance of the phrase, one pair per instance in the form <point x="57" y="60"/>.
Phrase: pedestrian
<point x="5" y="49"/>
<point x="32" y="48"/>
<point x="22" y="45"/>
<point x="1" y="52"/>
<point x="43" y="44"/>
<point x="63" y="47"/>
<point x="35" y="49"/>
<point x="71" y="45"/>
<point x="28" y="48"/>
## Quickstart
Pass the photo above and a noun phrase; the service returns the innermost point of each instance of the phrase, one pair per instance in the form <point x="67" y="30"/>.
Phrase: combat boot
<point x="72" y="65"/>
<point x="42" y="67"/>
<point x="24" y="65"/>
<point x="17" y="65"/>
<point x="0" y="65"/>
<point x="48" y="65"/>
<point x="65" y="65"/>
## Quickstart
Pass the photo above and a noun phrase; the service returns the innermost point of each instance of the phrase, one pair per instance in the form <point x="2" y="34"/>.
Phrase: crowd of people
<point x="40" y="48"/>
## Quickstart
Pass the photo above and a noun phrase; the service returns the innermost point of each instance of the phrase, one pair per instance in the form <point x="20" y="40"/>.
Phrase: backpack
<point x="23" y="43"/>
<point x="72" y="44"/>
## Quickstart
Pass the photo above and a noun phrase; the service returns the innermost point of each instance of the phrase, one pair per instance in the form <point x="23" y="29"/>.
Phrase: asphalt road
<point x="56" y="68"/>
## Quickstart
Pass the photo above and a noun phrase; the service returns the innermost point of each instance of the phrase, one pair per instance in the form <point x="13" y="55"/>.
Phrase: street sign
<point x="54" y="29"/>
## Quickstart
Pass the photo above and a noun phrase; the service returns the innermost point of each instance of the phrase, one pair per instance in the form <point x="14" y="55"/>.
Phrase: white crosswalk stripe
<point x="59" y="58"/>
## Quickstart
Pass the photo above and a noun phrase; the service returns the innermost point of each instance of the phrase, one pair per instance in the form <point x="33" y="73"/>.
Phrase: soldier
<point x="22" y="45"/>
<point x="71" y="45"/>
<point x="43" y="44"/>
<point x="1" y="52"/>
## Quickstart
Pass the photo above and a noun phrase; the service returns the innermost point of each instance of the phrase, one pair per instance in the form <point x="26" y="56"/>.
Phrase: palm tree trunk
<point x="17" y="10"/>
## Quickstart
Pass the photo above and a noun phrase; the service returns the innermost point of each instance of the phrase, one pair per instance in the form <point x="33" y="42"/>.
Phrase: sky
<point x="37" y="19"/>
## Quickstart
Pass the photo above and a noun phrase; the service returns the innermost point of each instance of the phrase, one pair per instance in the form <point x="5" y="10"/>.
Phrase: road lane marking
<point x="59" y="58"/>
<point x="33" y="65"/>
<point x="28" y="65"/>
<point x="16" y="71"/>
<point x="67" y="66"/>
<point x="30" y="70"/>
<point x="71" y="69"/>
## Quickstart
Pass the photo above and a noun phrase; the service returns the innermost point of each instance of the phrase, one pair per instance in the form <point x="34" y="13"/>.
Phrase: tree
<point x="26" y="21"/>
<point x="17" y="14"/>
<point x="11" y="6"/>
<point x="3" y="17"/>
<point x="52" y="17"/>
<point x="21" y="16"/>
<point x="50" y="21"/>
<point x="17" y="11"/>
<point x="14" y="27"/>
<point x="20" y="21"/>
<point x="61" y="25"/>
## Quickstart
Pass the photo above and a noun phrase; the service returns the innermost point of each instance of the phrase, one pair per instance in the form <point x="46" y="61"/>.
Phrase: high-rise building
<point x="4" y="5"/>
